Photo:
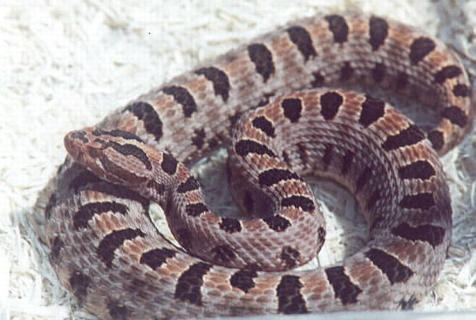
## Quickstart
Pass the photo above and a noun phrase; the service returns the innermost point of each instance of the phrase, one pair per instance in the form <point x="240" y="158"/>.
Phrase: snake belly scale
<point x="279" y="93"/>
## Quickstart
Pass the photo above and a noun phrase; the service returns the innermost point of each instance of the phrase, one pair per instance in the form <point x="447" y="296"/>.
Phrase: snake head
<point x="116" y="156"/>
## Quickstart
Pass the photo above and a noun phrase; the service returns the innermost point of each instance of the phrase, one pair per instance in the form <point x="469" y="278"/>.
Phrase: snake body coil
<point x="106" y="250"/>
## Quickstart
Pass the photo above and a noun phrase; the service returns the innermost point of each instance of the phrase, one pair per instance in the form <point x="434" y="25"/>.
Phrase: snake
<point x="282" y="105"/>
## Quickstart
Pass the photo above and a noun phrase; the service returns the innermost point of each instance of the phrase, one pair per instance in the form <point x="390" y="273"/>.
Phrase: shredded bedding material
<point x="68" y="64"/>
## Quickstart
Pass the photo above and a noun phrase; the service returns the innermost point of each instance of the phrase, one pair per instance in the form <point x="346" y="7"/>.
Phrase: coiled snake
<point x="106" y="250"/>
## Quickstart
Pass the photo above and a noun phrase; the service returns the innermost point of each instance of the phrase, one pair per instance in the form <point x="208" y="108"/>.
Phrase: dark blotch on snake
<point x="292" y="109"/>
<point x="183" y="97"/>
<point x="344" y="288"/>
<point x="302" y="39"/>
<point x="420" y="169"/>
<point x="290" y="299"/>
<point x="264" y="125"/>
<point x="330" y="103"/>
<point x="156" y="257"/>
<point x="420" y="48"/>
<point x="263" y="60"/>
<point x="86" y="212"/>
<point x="221" y="83"/>
<point x="230" y="225"/>
<point x="338" y="26"/>
<point x="188" y="287"/>
<point x="422" y="201"/>
<point x="432" y="234"/>
<point x="114" y="240"/>
<point x="378" y="32"/>
<point x="390" y="266"/>
<point x="243" y="280"/>
<point x="146" y="113"/>
<point x="447" y="72"/>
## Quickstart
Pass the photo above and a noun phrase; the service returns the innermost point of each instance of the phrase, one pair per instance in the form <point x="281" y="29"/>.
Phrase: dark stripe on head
<point x="420" y="169"/>
<point x="243" y="147"/>
<point x="195" y="209"/>
<point x="169" y="163"/>
<point x="418" y="201"/>
<point x="432" y="234"/>
<point x="302" y="39"/>
<point x="405" y="137"/>
<point x="436" y="138"/>
<point x="79" y="284"/>
<point x="289" y="256"/>
<point x="274" y="176"/>
<point x="189" y="284"/>
<point x="420" y="48"/>
<point x="363" y="179"/>
<point x="372" y="110"/>
<point x="190" y="185"/>
<point x="198" y="138"/>
<point x="346" y="71"/>
<point x="330" y="103"/>
<point x="221" y="83"/>
<point x="302" y="202"/>
<point x="347" y="162"/>
<point x="223" y="254"/>
<point x="230" y="225"/>
<point x="343" y="287"/>
<point x="183" y="97"/>
<point x="290" y="299"/>
<point x="455" y="115"/>
<point x="87" y="211"/>
<point x="277" y="223"/>
<point x="378" y="72"/>
<point x="292" y="109"/>
<point x="156" y="257"/>
<point x="262" y="59"/>
<point x="114" y="240"/>
<point x="79" y="135"/>
<point x="243" y="280"/>
<point x="132" y="150"/>
<point x="146" y="113"/>
<point x="461" y="90"/>
<point x="339" y="28"/>
<point x="264" y="125"/>
<point x="447" y="72"/>
<point x="318" y="80"/>
<point x="378" y="32"/>
<point x="389" y="265"/>
<point x="124" y="174"/>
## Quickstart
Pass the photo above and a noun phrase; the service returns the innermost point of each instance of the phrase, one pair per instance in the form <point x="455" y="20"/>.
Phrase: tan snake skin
<point x="106" y="250"/>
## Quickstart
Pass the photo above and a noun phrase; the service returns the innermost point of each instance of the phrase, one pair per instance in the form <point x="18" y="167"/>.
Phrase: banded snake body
<point x="289" y="121"/>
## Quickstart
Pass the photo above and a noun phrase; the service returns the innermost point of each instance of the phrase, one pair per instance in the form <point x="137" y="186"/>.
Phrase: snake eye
<point x="79" y="135"/>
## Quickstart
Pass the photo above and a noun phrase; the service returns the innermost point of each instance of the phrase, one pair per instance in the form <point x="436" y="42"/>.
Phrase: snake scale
<point x="275" y="100"/>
